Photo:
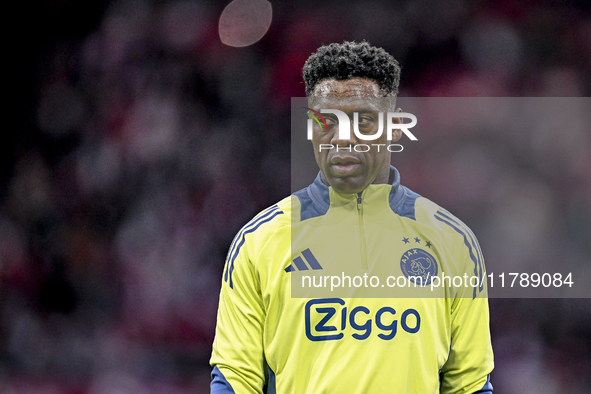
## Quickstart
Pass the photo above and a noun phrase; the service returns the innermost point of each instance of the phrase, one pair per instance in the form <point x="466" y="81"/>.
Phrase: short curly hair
<point x="352" y="59"/>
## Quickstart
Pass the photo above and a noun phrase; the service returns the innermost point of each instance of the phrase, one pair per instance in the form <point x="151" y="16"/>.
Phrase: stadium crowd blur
<point x="142" y="144"/>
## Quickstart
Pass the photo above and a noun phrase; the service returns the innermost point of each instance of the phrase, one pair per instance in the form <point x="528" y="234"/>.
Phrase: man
<point x="355" y="215"/>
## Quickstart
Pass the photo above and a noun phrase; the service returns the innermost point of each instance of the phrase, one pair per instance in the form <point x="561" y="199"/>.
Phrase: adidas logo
<point x="300" y="265"/>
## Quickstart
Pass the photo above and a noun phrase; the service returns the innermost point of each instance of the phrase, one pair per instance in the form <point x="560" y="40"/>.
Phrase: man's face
<point x="346" y="170"/>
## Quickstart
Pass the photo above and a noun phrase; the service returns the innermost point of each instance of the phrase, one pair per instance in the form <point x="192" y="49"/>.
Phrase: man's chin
<point x="347" y="184"/>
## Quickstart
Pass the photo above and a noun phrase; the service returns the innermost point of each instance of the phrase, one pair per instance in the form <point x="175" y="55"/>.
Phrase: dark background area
<point x="136" y="145"/>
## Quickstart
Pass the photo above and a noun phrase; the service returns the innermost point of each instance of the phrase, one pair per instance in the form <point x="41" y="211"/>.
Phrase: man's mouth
<point x="345" y="165"/>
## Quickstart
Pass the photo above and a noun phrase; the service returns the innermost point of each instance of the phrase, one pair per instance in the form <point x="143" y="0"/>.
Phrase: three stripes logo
<point x="298" y="264"/>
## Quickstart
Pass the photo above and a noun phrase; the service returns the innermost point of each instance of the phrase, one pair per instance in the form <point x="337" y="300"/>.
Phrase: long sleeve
<point x="470" y="360"/>
<point x="237" y="356"/>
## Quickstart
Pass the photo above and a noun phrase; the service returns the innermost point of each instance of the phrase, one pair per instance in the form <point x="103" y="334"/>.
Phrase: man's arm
<point x="237" y="356"/>
<point x="470" y="360"/>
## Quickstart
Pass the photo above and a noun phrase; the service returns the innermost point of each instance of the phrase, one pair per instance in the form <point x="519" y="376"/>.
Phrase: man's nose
<point x="343" y="140"/>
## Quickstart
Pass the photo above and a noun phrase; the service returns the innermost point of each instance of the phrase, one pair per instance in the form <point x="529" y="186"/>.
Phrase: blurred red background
<point x="116" y="211"/>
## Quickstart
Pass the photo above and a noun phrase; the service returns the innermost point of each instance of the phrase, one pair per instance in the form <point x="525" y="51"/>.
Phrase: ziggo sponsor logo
<point x="322" y="318"/>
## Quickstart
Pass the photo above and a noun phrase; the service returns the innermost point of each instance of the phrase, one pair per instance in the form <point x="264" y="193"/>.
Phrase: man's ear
<point x="397" y="133"/>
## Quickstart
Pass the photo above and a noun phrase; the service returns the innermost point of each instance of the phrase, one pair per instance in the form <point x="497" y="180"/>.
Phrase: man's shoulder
<point x="426" y="209"/>
<point x="447" y="224"/>
<point x="270" y="219"/>
<point x="427" y="212"/>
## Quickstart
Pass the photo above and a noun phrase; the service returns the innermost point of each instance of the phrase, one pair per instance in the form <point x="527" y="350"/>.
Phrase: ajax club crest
<point x="418" y="266"/>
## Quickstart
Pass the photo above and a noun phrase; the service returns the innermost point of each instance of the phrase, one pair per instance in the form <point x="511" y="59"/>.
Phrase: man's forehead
<point x="352" y="87"/>
<point x="353" y="94"/>
<point x="351" y="104"/>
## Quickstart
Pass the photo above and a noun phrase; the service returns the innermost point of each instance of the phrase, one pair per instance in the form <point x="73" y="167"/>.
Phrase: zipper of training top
<point x="362" y="233"/>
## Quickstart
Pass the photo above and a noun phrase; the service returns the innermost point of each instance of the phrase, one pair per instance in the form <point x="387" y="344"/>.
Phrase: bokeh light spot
<point x="244" y="22"/>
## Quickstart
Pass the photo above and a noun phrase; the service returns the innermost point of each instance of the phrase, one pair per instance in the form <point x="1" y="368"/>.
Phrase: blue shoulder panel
<point x="402" y="199"/>
<point x="219" y="384"/>
<point x="314" y="200"/>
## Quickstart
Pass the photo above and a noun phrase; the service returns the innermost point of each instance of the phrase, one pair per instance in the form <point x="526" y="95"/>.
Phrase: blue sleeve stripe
<point x="250" y="230"/>
<point x="240" y="234"/>
<point x="472" y="257"/>
<point x="487" y="388"/>
<point x="219" y="384"/>
<point x="475" y="244"/>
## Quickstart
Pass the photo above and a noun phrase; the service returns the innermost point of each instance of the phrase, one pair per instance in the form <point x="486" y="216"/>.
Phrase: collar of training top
<point x="315" y="199"/>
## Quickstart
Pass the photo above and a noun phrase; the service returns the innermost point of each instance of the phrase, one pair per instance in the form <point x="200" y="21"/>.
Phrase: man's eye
<point x="365" y="119"/>
<point x="330" y="121"/>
